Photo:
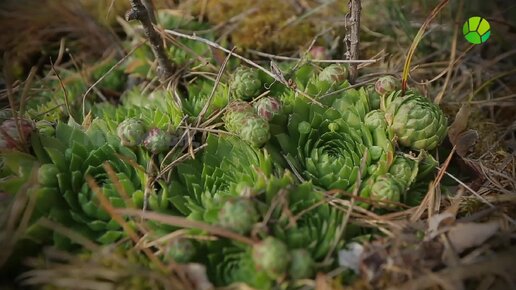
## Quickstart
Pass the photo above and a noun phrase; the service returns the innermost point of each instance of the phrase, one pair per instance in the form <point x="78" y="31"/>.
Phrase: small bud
<point x="271" y="255"/>
<point x="238" y="215"/>
<point x="246" y="83"/>
<point x="180" y="251"/>
<point x="318" y="53"/>
<point x="385" y="85"/>
<point x="157" y="141"/>
<point x="131" y="132"/>
<point x="302" y="264"/>
<point x="267" y="107"/>
<point x="334" y="73"/>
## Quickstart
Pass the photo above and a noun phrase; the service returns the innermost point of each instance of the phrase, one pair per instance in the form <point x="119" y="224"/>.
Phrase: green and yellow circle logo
<point x="476" y="30"/>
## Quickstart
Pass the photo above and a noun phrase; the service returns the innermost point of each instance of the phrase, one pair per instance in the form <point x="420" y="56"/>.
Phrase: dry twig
<point x="140" y="12"/>
<point x="352" y="38"/>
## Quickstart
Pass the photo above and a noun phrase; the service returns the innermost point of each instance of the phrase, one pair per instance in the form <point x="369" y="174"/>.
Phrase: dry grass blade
<point x="106" y="74"/>
<point x="428" y="201"/>
<point x="104" y="202"/>
<point x="186" y="223"/>
<point x="415" y="42"/>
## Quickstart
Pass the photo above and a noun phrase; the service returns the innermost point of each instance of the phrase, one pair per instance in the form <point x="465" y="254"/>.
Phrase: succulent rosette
<point x="267" y="107"/>
<point x="200" y="187"/>
<point x="246" y="83"/>
<point x="131" y="131"/>
<point x="180" y="251"/>
<point x="236" y="114"/>
<point x="157" y="141"/>
<point x="255" y="130"/>
<point x="334" y="73"/>
<point x="272" y="256"/>
<point x="386" y="188"/>
<point x="238" y="215"/>
<point x="417" y="122"/>
<point x="68" y="158"/>
<point x="386" y="85"/>
<point x="301" y="265"/>
<point x="322" y="146"/>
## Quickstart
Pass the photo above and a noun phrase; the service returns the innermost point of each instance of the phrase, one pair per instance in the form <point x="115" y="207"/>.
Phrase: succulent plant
<point x="45" y="128"/>
<point x="200" y="187"/>
<point x="238" y="215"/>
<point x="386" y="85"/>
<point x="417" y="122"/>
<point x="334" y="73"/>
<point x="180" y="251"/>
<point x="236" y="114"/>
<point x="255" y="131"/>
<point x="375" y="119"/>
<point x="321" y="146"/>
<point x="67" y="159"/>
<point x="404" y="170"/>
<point x="246" y="83"/>
<point x="386" y="188"/>
<point x="301" y="264"/>
<point x="157" y="141"/>
<point x="267" y="107"/>
<point x="131" y="132"/>
<point x="272" y="256"/>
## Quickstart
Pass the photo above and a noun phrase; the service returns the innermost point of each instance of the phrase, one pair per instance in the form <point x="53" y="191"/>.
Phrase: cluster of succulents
<point x="270" y="163"/>
<point x="133" y="132"/>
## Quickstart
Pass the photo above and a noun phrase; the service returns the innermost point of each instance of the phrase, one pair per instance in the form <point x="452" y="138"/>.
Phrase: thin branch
<point x="140" y="12"/>
<point x="352" y="38"/>
<point x="280" y="57"/>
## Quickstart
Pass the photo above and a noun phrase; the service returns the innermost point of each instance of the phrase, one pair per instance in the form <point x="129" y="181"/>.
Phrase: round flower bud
<point x="375" y="119"/>
<point x="180" y="251"/>
<point x="255" y="131"/>
<point x="386" y="85"/>
<point x="236" y="115"/>
<point x="417" y="122"/>
<point x="246" y="83"/>
<point x="131" y="132"/>
<point x="386" y="188"/>
<point x="271" y="255"/>
<point x="238" y="215"/>
<point x="302" y="264"/>
<point x="47" y="175"/>
<point x="334" y="73"/>
<point x="267" y="107"/>
<point x="157" y="141"/>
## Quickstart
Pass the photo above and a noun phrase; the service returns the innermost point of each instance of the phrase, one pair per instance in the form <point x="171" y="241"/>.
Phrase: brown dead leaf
<point x="463" y="236"/>
<point x="465" y="142"/>
<point x="460" y="124"/>
<point x="437" y="222"/>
